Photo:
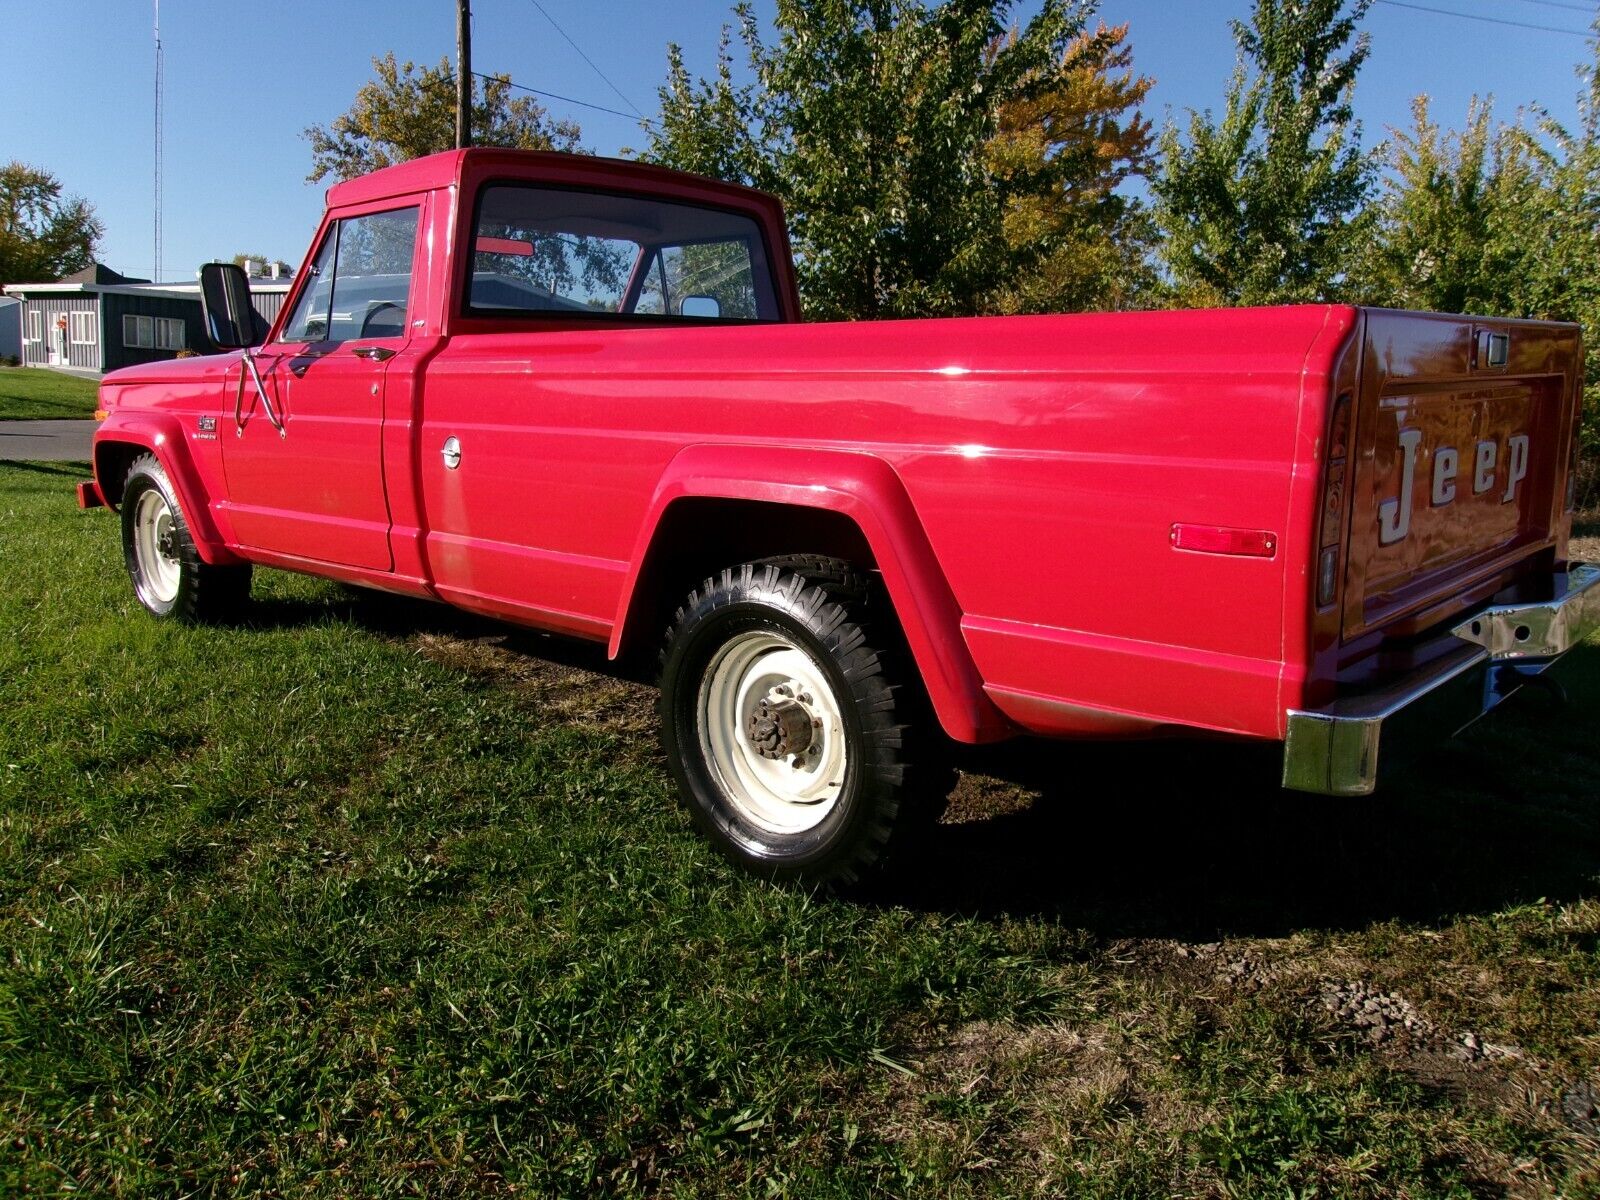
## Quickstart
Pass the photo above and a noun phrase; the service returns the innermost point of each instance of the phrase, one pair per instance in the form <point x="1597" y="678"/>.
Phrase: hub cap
<point x="772" y="731"/>
<point x="155" y="549"/>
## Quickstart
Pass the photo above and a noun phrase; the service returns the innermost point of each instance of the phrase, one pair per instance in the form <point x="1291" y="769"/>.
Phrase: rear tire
<point x="782" y="724"/>
<point x="169" y="577"/>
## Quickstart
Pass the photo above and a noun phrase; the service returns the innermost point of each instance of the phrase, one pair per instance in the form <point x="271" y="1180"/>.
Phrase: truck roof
<point x="447" y="168"/>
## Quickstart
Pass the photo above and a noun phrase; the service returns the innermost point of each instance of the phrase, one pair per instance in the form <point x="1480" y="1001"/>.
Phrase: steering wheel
<point x="380" y="306"/>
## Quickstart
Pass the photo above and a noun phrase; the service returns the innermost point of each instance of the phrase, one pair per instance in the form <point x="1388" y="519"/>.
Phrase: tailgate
<point x="1462" y="435"/>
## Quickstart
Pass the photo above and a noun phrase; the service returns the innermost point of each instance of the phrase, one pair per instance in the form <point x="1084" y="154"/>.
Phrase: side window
<point x="372" y="276"/>
<point x="360" y="281"/>
<point x="309" y="320"/>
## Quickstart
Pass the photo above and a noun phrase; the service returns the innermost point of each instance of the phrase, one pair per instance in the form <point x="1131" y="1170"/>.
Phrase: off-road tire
<point x="202" y="593"/>
<point x="823" y="609"/>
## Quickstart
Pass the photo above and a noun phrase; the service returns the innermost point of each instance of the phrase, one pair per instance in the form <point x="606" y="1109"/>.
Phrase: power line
<point x="522" y="87"/>
<point x="1583" y="8"/>
<point x="591" y="63"/>
<point x="1446" y="12"/>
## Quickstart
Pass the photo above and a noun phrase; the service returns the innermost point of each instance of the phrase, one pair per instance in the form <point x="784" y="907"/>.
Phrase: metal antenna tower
<point x="155" y="273"/>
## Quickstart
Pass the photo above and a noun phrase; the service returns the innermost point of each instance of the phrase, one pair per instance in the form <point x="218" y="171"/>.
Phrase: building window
<point x="35" y="329"/>
<point x="153" y="333"/>
<point x="83" y="328"/>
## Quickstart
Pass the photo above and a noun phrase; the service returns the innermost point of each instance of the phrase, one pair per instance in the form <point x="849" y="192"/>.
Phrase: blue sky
<point x="243" y="80"/>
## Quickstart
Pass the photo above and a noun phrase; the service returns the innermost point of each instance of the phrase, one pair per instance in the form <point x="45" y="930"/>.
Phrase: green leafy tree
<point x="1268" y="204"/>
<point x="265" y="260"/>
<point x="876" y="122"/>
<point x="1567" y="285"/>
<point x="43" y="235"/>
<point x="408" y="111"/>
<point x="1458" y="227"/>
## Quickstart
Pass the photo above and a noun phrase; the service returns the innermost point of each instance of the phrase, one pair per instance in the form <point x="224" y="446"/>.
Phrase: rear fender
<point x="124" y="437"/>
<point x="865" y="490"/>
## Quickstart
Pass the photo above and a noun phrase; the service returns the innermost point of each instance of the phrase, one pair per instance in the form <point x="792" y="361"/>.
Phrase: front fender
<point x="124" y="435"/>
<point x="866" y="490"/>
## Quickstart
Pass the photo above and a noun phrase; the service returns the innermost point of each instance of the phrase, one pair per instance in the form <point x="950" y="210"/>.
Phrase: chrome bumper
<point x="1334" y="750"/>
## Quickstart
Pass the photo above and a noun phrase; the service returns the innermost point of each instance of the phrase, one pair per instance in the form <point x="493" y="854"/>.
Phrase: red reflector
<point x="1214" y="539"/>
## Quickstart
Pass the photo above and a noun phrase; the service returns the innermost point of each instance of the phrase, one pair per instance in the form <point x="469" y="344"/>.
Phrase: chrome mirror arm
<point x="261" y="391"/>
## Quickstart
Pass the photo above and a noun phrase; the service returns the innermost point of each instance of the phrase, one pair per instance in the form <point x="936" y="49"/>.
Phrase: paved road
<point x="45" y="441"/>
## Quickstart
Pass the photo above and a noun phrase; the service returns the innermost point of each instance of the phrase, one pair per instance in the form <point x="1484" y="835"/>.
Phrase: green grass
<point x="35" y="394"/>
<point x="360" y="898"/>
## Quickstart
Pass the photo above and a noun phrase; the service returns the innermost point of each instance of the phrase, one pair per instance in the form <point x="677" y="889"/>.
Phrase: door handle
<point x="373" y="353"/>
<point x="451" y="453"/>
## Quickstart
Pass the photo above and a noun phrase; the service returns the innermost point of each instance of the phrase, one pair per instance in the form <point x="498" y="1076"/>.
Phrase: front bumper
<point x="1335" y="750"/>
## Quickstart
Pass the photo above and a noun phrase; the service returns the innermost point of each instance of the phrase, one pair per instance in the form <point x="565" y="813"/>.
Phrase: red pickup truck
<point x="577" y="394"/>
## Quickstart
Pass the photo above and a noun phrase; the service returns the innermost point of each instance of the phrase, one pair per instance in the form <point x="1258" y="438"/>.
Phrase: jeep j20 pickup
<point x="577" y="394"/>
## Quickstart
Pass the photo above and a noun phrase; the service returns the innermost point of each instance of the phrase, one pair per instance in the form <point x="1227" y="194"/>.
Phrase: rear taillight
<point x="1333" y="497"/>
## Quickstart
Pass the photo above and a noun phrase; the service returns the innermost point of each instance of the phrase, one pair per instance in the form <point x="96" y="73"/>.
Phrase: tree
<point x="1269" y="204"/>
<point x="43" y="235"/>
<point x="408" y="111"/>
<point x="1060" y="156"/>
<point x="876" y="122"/>
<point x="1567" y="285"/>
<point x="266" y="261"/>
<point x="1458" y="227"/>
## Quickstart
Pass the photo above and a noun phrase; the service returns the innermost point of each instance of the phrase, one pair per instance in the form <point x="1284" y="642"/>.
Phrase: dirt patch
<point x="1026" y="1101"/>
<point x="980" y="797"/>
<point x="562" y="691"/>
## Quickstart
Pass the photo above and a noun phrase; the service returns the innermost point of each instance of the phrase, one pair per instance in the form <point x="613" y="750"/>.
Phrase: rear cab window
<point x="544" y="251"/>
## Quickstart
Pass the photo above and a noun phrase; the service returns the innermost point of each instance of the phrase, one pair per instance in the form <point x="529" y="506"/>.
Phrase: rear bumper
<point x="1335" y="750"/>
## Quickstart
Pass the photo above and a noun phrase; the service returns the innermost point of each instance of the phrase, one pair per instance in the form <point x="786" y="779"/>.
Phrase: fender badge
<point x="207" y="427"/>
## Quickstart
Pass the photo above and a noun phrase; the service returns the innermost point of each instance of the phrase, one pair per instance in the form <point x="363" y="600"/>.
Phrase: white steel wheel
<point x="155" y="550"/>
<point x="772" y="731"/>
<point x="781" y="724"/>
<point x="170" y="578"/>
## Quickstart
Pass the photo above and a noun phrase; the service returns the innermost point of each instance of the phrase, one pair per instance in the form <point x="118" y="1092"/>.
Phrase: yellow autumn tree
<point x="1059" y="152"/>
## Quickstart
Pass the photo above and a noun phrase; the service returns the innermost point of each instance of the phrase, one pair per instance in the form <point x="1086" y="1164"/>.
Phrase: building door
<point x="305" y="470"/>
<point x="58" y="340"/>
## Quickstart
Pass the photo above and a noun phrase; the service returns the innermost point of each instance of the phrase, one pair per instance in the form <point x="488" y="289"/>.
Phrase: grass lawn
<point x="362" y="898"/>
<point x="36" y="393"/>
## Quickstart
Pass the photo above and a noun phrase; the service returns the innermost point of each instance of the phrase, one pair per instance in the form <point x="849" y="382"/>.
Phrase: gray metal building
<point x="98" y="320"/>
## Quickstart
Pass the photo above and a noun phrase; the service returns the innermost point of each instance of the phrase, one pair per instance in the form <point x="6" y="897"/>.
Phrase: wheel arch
<point x="716" y="505"/>
<point x="116" y="448"/>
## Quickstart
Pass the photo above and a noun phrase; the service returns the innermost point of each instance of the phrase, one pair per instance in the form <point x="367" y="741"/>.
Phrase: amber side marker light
<point x="101" y="414"/>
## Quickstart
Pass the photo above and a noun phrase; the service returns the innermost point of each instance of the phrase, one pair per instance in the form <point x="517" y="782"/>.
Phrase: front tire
<point x="782" y="726"/>
<point x="168" y="575"/>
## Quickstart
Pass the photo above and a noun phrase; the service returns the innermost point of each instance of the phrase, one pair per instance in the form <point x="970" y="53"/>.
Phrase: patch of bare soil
<point x="1028" y="1102"/>
<point x="564" y="692"/>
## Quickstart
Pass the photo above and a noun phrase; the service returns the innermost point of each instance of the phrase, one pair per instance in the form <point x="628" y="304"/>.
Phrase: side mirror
<point x="699" y="306"/>
<point x="231" y="320"/>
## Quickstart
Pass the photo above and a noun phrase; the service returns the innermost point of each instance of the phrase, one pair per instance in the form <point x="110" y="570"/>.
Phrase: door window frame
<point x="329" y="228"/>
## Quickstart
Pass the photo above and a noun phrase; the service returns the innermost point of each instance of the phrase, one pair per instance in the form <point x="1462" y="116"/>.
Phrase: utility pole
<point x="463" y="74"/>
<point x="155" y="266"/>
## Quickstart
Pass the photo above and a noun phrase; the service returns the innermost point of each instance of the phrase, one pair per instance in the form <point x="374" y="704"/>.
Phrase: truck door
<point x="305" y="471"/>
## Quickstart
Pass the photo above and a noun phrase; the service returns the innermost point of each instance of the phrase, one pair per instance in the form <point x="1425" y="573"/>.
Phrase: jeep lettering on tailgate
<point x="1395" y="515"/>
